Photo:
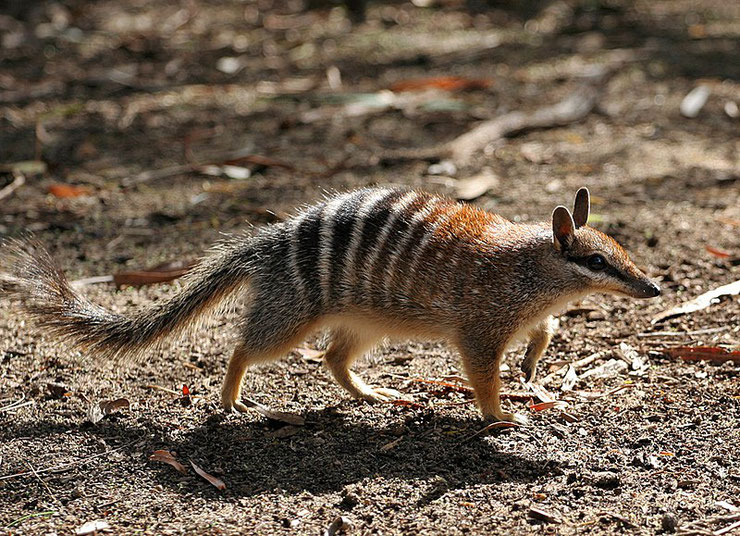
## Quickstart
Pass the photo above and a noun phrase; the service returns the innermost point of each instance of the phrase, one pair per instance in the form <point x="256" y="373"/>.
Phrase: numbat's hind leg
<point x="265" y="339"/>
<point x="346" y="346"/>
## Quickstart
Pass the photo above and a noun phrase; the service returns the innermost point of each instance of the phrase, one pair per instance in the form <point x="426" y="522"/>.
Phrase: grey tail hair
<point x="28" y="273"/>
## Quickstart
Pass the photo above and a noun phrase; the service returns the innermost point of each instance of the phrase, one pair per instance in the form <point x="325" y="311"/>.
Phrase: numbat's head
<point x="592" y="259"/>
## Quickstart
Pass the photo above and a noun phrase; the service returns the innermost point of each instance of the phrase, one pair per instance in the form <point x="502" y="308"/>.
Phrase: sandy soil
<point x="105" y="91"/>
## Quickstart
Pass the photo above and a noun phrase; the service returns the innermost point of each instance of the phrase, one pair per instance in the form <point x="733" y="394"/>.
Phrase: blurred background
<point x="141" y="116"/>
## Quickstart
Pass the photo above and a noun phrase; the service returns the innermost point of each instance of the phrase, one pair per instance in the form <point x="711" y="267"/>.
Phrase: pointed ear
<point x="581" y="207"/>
<point x="562" y="228"/>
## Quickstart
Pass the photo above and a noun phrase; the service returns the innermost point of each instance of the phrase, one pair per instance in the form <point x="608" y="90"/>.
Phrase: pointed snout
<point x="645" y="289"/>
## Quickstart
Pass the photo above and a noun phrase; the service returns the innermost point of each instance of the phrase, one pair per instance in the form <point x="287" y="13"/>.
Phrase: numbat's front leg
<point x="484" y="373"/>
<point x="539" y="338"/>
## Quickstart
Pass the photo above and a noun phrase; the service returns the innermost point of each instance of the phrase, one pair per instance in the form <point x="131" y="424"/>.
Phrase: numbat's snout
<point x="364" y="264"/>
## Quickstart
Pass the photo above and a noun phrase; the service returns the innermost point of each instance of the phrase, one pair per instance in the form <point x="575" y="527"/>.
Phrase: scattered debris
<point x="341" y="524"/>
<point x="92" y="527"/>
<point x="548" y="516"/>
<point x="573" y="108"/>
<point x="719" y="253"/>
<point x="699" y="303"/>
<point x="611" y="368"/>
<point x="64" y="191"/>
<point x="498" y="425"/>
<point x="444" y="83"/>
<point x="694" y="101"/>
<point x="278" y="416"/>
<point x="632" y="357"/>
<point x="570" y="379"/>
<point x="217" y="482"/>
<point x="161" y="273"/>
<point x="392" y="444"/>
<point x="166" y="456"/>
<point x="704" y="353"/>
<point x="476" y="186"/>
<point x="727" y="523"/>
<point x="19" y="179"/>
<point x="96" y="412"/>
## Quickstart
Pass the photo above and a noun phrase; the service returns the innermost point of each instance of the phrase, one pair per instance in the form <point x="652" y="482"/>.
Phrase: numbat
<point x="365" y="265"/>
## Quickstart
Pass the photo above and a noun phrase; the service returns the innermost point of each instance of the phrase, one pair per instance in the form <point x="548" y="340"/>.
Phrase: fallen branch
<point x="699" y="303"/>
<point x="570" y="110"/>
<point x="18" y="181"/>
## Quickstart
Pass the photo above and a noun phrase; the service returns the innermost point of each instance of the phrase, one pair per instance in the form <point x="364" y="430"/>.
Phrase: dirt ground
<point x="110" y="93"/>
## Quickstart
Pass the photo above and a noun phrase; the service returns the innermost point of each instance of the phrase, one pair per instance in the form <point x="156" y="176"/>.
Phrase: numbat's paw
<point x="530" y="370"/>
<point x="510" y="417"/>
<point x="380" y="394"/>
<point x="234" y="406"/>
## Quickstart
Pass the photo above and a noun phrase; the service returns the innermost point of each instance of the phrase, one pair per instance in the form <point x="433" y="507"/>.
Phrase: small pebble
<point x="694" y="101"/>
<point x="606" y="480"/>
<point x="669" y="523"/>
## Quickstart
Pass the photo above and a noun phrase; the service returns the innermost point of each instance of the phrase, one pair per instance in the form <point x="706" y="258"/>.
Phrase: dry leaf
<point x="475" y="186"/>
<point x="700" y="302"/>
<point x="92" y="527"/>
<point x="339" y="525"/>
<point x="167" y="457"/>
<point x="407" y="403"/>
<point x="160" y="273"/>
<point x="498" y="425"/>
<point x="392" y="444"/>
<point x="450" y="386"/>
<point x="285" y="431"/>
<point x="631" y="356"/>
<point x="212" y="479"/>
<point x="535" y="512"/>
<point x="570" y="379"/>
<point x="704" y="353"/>
<point x="68" y="190"/>
<point x="542" y="406"/>
<point x="721" y="253"/>
<point x="279" y="416"/>
<point x="608" y="369"/>
<point x="539" y="391"/>
<point x="445" y="83"/>
<point x="96" y="412"/>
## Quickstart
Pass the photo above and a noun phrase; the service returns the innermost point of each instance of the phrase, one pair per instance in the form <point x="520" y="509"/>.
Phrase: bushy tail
<point x="28" y="273"/>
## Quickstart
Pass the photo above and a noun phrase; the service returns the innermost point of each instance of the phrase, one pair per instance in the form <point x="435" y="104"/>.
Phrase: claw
<point x="517" y="418"/>
<point x="381" y="394"/>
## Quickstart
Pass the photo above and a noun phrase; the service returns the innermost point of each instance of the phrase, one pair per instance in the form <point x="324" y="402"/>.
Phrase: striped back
<point x="372" y="247"/>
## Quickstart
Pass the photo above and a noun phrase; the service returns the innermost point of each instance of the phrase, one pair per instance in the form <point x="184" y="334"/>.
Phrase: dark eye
<point x="596" y="262"/>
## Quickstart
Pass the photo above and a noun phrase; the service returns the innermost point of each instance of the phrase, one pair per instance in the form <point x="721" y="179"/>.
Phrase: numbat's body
<point x="365" y="265"/>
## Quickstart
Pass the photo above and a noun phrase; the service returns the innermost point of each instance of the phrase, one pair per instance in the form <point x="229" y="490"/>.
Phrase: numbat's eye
<point x="596" y="263"/>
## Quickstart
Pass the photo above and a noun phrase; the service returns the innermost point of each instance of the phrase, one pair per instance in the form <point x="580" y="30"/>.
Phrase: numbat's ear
<point x="562" y="228"/>
<point x="581" y="207"/>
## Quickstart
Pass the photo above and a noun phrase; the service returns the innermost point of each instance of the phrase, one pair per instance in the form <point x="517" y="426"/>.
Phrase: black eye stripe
<point x="584" y="260"/>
